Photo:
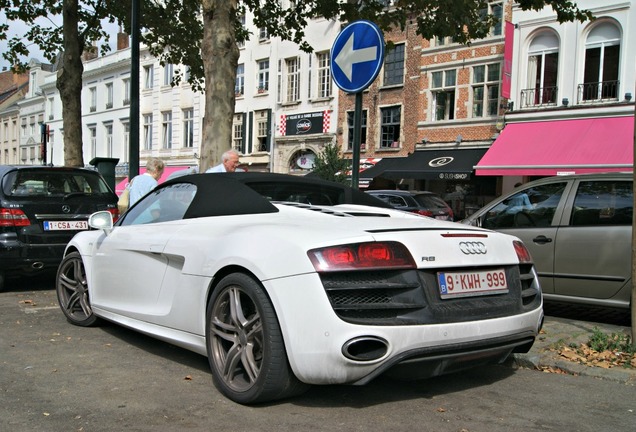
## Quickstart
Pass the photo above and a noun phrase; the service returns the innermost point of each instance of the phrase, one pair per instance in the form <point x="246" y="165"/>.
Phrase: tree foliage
<point x="329" y="165"/>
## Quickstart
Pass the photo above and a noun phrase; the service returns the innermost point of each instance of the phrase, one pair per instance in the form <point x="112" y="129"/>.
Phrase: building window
<point x="241" y="44"/>
<point x="292" y="68"/>
<point x="239" y="87"/>
<point x="261" y="131"/>
<point x="263" y="76"/>
<point x="149" y="76"/>
<point x="486" y="90"/>
<point x="168" y="73"/>
<point x="263" y="35"/>
<point x="237" y="135"/>
<point x="32" y="86"/>
<point x="109" y="95"/>
<point x="443" y="41"/>
<point x="93" y="99"/>
<point x="602" y="56"/>
<point x="363" y="130"/>
<point x="443" y="88"/>
<point x="324" y="75"/>
<point x="147" y="131"/>
<point x="166" y="130"/>
<point x="108" y="128"/>
<point x="125" y="141"/>
<point x="51" y="109"/>
<point x="390" y="127"/>
<point x="92" y="136"/>
<point x="188" y="128"/>
<point x="495" y="9"/>
<point x="126" y="83"/>
<point x="394" y="66"/>
<point x="543" y="62"/>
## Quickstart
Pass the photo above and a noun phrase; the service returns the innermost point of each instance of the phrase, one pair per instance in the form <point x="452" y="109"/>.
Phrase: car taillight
<point x="522" y="252"/>
<point x="424" y="212"/>
<point x="115" y="213"/>
<point x="362" y="256"/>
<point x="13" y="217"/>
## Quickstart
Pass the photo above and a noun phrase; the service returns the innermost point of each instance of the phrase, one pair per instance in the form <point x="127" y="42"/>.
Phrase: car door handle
<point x="542" y="239"/>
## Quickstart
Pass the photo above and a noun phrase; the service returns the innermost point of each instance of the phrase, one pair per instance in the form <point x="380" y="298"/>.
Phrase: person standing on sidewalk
<point x="229" y="163"/>
<point x="144" y="183"/>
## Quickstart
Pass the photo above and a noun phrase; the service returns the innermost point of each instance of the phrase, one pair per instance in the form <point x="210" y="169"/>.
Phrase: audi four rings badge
<point x="472" y="248"/>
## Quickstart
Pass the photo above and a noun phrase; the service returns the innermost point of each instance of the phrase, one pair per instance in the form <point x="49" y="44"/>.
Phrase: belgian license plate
<point x="463" y="284"/>
<point x="65" y="225"/>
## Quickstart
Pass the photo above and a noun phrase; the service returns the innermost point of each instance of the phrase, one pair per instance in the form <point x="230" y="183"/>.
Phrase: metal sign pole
<point x="357" y="55"/>
<point x="357" y="138"/>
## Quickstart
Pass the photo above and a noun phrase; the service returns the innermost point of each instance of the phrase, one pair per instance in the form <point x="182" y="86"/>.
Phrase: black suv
<point x="41" y="209"/>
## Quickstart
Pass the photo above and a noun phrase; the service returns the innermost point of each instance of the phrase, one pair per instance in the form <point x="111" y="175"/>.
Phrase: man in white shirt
<point x="229" y="162"/>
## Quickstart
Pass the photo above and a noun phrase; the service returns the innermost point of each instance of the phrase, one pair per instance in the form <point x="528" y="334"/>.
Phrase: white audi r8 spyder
<point x="283" y="282"/>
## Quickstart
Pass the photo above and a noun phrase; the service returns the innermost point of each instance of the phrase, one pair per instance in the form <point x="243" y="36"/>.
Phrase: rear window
<point x="430" y="201"/>
<point x="603" y="203"/>
<point x="43" y="183"/>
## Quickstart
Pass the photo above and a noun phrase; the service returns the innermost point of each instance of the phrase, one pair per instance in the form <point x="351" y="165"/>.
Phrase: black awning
<point x="453" y="164"/>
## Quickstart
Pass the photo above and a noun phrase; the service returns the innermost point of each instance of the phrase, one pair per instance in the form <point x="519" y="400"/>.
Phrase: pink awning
<point x="119" y="188"/>
<point x="560" y="147"/>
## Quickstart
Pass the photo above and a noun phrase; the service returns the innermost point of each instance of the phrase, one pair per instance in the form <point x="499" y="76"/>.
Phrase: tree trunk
<point x="69" y="84"/>
<point x="220" y="60"/>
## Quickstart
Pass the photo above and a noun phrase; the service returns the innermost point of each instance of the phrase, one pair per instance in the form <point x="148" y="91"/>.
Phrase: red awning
<point x="119" y="188"/>
<point x="560" y="147"/>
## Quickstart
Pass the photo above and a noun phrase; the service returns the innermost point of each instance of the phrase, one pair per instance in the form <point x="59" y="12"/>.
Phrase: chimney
<point x="89" y="53"/>
<point x="122" y="41"/>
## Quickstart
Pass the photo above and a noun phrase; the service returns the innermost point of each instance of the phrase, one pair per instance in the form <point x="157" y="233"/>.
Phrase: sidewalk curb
<point x="548" y="360"/>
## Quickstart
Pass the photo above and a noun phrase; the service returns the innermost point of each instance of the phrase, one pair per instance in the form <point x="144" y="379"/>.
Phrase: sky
<point x="18" y="28"/>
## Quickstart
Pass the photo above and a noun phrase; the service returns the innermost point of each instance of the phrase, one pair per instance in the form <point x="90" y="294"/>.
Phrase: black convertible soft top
<point x="223" y="194"/>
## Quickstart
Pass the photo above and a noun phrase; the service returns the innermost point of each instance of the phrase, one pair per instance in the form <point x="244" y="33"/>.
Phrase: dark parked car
<point x="41" y="209"/>
<point x="420" y="202"/>
<point x="579" y="231"/>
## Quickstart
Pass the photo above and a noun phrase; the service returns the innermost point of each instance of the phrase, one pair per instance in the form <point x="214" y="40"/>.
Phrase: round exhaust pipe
<point x="38" y="265"/>
<point x="365" y="348"/>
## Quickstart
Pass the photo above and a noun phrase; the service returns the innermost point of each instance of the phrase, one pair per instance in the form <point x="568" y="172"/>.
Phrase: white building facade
<point x="285" y="100"/>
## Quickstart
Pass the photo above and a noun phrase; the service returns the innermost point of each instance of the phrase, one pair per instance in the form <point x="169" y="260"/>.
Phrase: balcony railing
<point x="598" y="91"/>
<point x="536" y="97"/>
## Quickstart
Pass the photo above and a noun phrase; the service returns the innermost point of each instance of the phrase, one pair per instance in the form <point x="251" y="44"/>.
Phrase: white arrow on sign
<point x="347" y="57"/>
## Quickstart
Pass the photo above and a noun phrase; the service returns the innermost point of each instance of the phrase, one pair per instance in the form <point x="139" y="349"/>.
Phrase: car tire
<point x="245" y="346"/>
<point x="2" y="280"/>
<point x="72" y="291"/>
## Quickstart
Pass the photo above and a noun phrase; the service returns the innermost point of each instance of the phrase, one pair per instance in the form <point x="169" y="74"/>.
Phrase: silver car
<point x="579" y="231"/>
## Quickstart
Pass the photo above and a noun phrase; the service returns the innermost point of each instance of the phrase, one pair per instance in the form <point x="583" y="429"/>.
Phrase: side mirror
<point x="102" y="220"/>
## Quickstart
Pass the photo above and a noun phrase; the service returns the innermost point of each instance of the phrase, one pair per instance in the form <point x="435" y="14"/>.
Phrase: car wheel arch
<point x="289" y="384"/>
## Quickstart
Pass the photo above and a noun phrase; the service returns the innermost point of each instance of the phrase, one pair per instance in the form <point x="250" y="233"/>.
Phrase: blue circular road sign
<point x="357" y="55"/>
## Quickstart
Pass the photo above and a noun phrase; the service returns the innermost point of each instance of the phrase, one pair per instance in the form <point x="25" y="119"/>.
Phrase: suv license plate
<point x="464" y="284"/>
<point x="65" y="225"/>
